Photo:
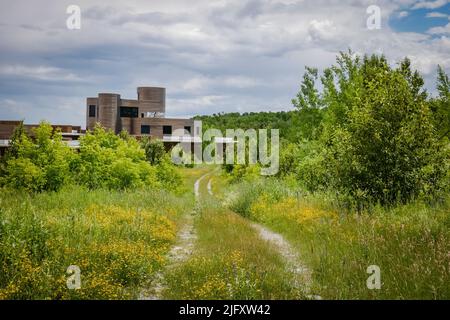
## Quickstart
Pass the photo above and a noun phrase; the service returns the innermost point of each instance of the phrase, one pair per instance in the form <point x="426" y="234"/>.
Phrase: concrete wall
<point x="156" y="125"/>
<point x="151" y="104"/>
<point x="7" y="128"/>
<point x="90" y="121"/>
<point x="152" y="99"/>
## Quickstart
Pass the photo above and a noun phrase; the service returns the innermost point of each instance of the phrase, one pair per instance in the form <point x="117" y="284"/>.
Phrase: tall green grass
<point x="117" y="238"/>
<point x="230" y="262"/>
<point x="410" y="243"/>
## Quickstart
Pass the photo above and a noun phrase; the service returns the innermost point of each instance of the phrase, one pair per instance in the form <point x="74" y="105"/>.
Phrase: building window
<point x="129" y="112"/>
<point x="142" y="115"/>
<point x="145" y="129"/>
<point x="188" y="129"/>
<point x="167" y="130"/>
<point x="92" y="110"/>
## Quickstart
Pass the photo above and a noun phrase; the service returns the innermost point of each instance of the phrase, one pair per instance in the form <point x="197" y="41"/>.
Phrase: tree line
<point x="370" y="132"/>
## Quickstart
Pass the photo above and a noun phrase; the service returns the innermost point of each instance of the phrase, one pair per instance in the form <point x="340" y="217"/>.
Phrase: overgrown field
<point x="230" y="262"/>
<point x="118" y="239"/>
<point x="410" y="243"/>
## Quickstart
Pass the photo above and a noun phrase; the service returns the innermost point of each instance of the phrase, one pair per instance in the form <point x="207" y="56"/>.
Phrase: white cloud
<point x="436" y="15"/>
<point x="403" y="14"/>
<point x="430" y="4"/>
<point x="240" y="82"/>
<point x="440" y="30"/>
<point x="38" y="72"/>
<point x="211" y="56"/>
<point x="321" y="29"/>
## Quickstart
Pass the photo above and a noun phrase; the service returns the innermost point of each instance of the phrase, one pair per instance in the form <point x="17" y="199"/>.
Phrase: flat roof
<point x="11" y="121"/>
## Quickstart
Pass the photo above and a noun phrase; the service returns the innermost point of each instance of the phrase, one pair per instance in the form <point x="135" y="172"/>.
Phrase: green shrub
<point x="168" y="176"/>
<point x="22" y="173"/>
<point x="247" y="192"/>
<point x="105" y="160"/>
<point x="39" y="164"/>
<point x="378" y="141"/>
<point x="154" y="150"/>
<point x="119" y="162"/>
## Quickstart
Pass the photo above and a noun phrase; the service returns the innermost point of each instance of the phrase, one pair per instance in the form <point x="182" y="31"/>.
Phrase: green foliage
<point x="250" y="191"/>
<point x="126" y="174"/>
<point x="378" y="140"/>
<point x="22" y="173"/>
<point x="154" y="150"/>
<point x="310" y="105"/>
<point x="239" y="172"/>
<point x="104" y="160"/>
<point x="168" y="175"/>
<point x="39" y="164"/>
<point x="119" y="162"/>
<point x="108" y="160"/>
<point x="286" y="121"/>
<point x="441" y="105"/>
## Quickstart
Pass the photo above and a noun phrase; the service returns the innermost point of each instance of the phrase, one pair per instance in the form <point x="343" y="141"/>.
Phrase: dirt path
<point x="179" y="253"/>
<point x="184" y="247"/>
<point x="301" y="273"/>
<point x="209" y="187"/>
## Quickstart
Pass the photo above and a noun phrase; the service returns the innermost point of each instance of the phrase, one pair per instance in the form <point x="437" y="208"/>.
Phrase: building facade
<point x="142" y="117"/>
<point x="69" y="133"/>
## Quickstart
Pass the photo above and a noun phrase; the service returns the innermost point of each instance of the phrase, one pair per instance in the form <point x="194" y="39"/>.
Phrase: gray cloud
<point x="211" y="56"/>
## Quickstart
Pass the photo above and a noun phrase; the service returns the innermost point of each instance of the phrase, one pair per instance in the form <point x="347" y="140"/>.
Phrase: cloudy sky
<point x="211" y="55"/>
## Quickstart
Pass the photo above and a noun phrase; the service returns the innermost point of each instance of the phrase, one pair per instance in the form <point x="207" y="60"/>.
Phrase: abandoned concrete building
<point x="144" y="116"/>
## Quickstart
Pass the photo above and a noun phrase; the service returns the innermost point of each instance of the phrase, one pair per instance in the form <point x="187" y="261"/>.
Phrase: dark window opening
<point x="187" y="128"/>
<point x="142" y="115"/>
<point x="92" y="110"/>
<point x="145" y="129"/>
<point x="129" y="112"/>
<point x="167" y="130"/>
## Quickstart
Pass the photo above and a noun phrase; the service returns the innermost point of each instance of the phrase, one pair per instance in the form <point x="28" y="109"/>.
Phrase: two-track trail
<point x="186" y="246"/>
<point x="179" y="253"/>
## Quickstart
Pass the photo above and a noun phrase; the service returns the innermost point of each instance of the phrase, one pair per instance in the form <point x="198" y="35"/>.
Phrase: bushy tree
<point x="105" y="160"/>
<point x="112" y="161"/>
<point x="154" y="150"/>
<point x="126" y="174"/>
<point x="441" y="105"/>
<point x="38" y="164"/>
<point x="310" y="105"/>
<point x="378" y="137"/>
<point x="168" y="175"/>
